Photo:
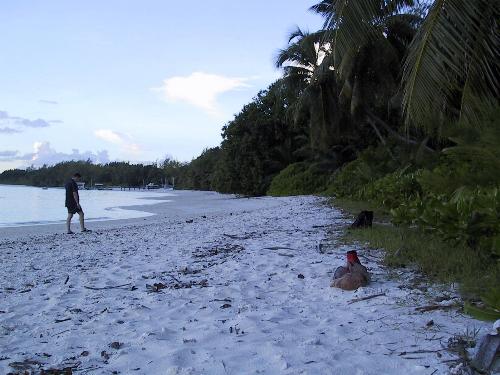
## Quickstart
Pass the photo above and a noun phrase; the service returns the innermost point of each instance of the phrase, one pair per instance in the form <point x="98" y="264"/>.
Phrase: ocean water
<point x="26" y="205"/>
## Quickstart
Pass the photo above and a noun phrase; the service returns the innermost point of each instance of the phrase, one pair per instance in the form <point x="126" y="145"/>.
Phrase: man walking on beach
<point x="73" y="203"/>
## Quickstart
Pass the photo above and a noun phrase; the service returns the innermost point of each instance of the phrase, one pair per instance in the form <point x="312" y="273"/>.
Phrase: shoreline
<point x="142" y="211"/>
<point x="175" y="207"/>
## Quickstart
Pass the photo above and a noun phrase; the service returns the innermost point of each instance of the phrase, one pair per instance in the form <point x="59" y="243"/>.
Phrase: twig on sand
<point x="67" y="279"/>
<point x="173" y="277"/>
<point x="278" y="248"/>
<point x="434" y="307"/>
<point x="60" y="333"/>
<point x="88" y="369"/>
<point x="421" y="352"/>
<point x="365" y="298"/>
<point x="61" y="320"/>
<point x="106" y="287"/>
<point x="235" y="237"/>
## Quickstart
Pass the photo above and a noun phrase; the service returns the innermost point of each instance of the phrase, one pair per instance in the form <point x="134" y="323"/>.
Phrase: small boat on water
<point x="102" y="187"/>
<point x="152" y="186"/>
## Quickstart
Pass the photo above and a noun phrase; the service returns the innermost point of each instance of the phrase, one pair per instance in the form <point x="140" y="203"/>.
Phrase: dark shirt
<point x="71" y="187"/>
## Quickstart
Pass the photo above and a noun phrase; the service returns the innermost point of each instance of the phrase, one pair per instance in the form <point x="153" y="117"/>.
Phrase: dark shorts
<point x="74" y="210"/>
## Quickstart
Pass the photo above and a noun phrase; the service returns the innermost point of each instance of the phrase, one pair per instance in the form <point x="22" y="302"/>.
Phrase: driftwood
<point x="172" y="277"/>
<point x="364" y="220"/>
<point x="365" y="298"/>
<point x="434" y="307"/>
<point x="106" y="287"/>
<point x="61" y="320"/>
<point x="486" y="355"/>
<point x="423" y="351"/>
<point x="278" y="248"/>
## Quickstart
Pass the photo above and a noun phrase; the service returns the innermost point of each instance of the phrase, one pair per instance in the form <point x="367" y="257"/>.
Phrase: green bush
<point x="458" y="167"/>
<point x="469" y="217"/>
<point x="298" y="179"/>
<point x="392" y="189"/>
<point x="370" y="165"/>
<point x="349" y="178"/>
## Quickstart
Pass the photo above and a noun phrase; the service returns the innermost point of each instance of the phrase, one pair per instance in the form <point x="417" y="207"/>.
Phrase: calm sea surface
<point x="26" y="205"/>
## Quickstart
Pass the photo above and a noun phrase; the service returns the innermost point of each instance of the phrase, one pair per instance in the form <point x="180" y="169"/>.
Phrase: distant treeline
<point x="116" y="173"/>
<point x="195" y="175"/>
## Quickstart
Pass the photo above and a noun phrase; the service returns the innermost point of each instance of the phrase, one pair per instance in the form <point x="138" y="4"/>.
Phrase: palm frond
<point x="350" y="23"/>
<point x="302" y="50"/>
<point x="452" y="60"/>
<point x="296" y="33"/>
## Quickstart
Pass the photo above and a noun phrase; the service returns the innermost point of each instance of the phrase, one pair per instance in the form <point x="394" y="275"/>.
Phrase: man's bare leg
<point x="68" y="223"/>
<point x="82" y="220"/>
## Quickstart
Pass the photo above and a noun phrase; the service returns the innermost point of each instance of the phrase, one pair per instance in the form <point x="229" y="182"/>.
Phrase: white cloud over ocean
<point x="117" y="138"/>
<point x="43" y="153"/>
<point x="200" y="89"/>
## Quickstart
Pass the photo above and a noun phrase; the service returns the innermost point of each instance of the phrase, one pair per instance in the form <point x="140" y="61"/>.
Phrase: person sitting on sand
<point x="352" y="276"/>
<point x="73" y="203"/>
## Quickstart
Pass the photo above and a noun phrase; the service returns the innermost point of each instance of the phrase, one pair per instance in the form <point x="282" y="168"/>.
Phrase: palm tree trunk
<point x="394" y="134"/>
<point x="382" y="140"/>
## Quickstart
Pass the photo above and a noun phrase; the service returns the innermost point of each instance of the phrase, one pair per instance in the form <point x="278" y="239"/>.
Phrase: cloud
<point x="117" y="138"/>
<point x="109" y="135"/>
<point x="45" y="101"/>
<point x="38" y="123"/>
<point x="7" y="130"/>
<point x="200" y="89"/>
<point x="43" y="153"/>
<point x="20" y="122"/>
<point x="8" y="154"/>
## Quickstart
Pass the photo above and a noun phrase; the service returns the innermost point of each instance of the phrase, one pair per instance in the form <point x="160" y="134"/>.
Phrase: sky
<point x="132" y="80"/>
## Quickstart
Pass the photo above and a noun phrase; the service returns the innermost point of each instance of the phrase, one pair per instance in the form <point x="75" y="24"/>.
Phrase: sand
<point x="214" y="284"/>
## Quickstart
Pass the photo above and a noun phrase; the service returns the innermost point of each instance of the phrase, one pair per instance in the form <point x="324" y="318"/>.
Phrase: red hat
<point x="352" y="257"/>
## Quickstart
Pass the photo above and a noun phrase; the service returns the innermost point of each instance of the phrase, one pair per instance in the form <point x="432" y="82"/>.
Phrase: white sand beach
<point x="210" y="285"/>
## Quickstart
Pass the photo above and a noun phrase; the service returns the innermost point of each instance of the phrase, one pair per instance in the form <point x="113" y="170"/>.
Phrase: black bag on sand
<point x="364" y="220"/>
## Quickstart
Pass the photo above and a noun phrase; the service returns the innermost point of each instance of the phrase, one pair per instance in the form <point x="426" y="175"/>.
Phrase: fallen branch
<point x="434" y="307"/>
<point x="235" y="237"/>
<point x="396" y="135"/>
<point x="365" y="298"/>
<point x="107" y="287"/>
<point x="59" y="333"/>
<point x="173" y="277"/>
<point x="421" y="352"/>
<point x="61" y="320"/>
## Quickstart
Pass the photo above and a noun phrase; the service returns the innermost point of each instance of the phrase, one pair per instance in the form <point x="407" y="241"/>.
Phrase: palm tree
<point x="315" y="89"/>
<point x="366" y="53"/>
<point x="452" y="63"/>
